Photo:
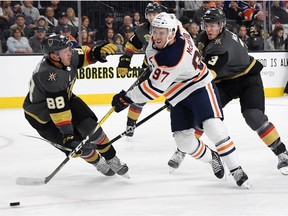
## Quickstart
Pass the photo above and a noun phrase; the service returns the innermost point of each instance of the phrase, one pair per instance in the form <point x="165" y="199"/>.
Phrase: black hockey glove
<point x="102" y="49"/>
<point x="121" y="101"/>
<point x="124" y="64"/>
<point x="69" y="141"/>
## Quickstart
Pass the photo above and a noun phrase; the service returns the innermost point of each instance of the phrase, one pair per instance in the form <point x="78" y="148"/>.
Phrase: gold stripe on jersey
<point x="131" y="48"/>
<point x="62" y="118"/>
<point x="240" y="74"/>
<point x="35" y="117"/>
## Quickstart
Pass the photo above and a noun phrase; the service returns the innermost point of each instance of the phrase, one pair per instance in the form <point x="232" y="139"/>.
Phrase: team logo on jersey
<point x="218" y="41"/>
<point x="52" y="77"/>
<point x="147" y="37"/>
<point x="50" y="42"/>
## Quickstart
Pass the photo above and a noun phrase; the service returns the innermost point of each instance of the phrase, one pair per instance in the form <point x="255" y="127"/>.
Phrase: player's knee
<point x="215" y="130"/>
<point x="255" y="118"/>
<point x="86" y="126"/>
<point x="186" y="140"/>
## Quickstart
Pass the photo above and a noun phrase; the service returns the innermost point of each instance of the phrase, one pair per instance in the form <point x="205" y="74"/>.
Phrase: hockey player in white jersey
<point x="178" y="73"/>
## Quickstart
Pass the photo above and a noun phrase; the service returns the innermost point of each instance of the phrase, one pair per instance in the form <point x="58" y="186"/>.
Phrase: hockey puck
<point x="14" y="204"/>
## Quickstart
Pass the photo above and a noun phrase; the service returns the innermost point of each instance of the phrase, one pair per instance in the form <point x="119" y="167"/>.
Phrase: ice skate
<point x="176" y="160"/>
<point x="283" y="163"/>
<point x="131" y="125"/>
<point x="118" y="167"/>
<point x="241" y="178"/>
<point x="103" y="167"/>
<point x="217" y="165"/>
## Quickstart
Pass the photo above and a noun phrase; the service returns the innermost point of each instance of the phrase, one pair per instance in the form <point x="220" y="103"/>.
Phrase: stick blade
<point x="30" y="181"/>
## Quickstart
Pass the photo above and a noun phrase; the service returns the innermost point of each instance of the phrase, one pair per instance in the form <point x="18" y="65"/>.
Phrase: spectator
<point x="256" y="41"/>
<point x="136" y="19"/>
<point x="119" y="41"/>
<point x="63" y="21"/>
<point x="234" y="12"/>
<point x="73" y="20"/>
<point x="109" y="23"/>
<point x="6" y="14"/>
<point x="188" y="8"/>
<point x="52" y="22"/>
<point x="197" y="18"/>
<point x="127" y="22"/>
<point x="20" y="21"/>
<point x="192" y="5"/>
<point x="17" y="43"/>
<point x="278" y="14"/>
<point x="30" y="11"/>
<point x="58" y="10"/>
<point x="16" y="8"/>
<point x="243" y="35"/>
<point x="86" y="38"/>
<point x="109" y="35"/>
<point x="42" y="22"/>
<point x="277" y="39"/>
<point x="66" y="31"/>
<point x="37" y="39"/>
<point x="194" y="31"/>
<point x="250" y="11"/>
<point x="185" y="22"/>
<point x="85" y="25"/>
<point x="128" y="32"/>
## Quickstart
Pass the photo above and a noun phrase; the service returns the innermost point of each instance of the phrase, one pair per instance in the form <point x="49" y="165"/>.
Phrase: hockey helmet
<point x="165" y="20"/>
<point x="214" y="15"/>
<point x="168" y="21"/>
<point x="54" y="43"/>
<point x="153" y="7"/>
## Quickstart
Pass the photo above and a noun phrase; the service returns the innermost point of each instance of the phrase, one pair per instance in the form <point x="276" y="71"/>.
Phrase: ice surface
<point x="78" y="189"/>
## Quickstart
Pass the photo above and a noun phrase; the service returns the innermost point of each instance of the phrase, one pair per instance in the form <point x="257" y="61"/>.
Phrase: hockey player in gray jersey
<point x="178" y="73"/>
<point x="138" y="41"/>
<point x="60" y="116"/>
<point x="237" y="75"/>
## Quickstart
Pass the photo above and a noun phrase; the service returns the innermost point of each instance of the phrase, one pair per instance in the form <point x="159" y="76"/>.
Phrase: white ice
<point x="78" y="189"/>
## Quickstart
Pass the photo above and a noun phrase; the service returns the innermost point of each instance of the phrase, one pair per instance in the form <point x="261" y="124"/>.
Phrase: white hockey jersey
<point x="177" y="71"/>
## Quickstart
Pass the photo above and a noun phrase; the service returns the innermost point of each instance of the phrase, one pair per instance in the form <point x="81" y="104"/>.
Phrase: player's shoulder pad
<point x="171" y="55"/>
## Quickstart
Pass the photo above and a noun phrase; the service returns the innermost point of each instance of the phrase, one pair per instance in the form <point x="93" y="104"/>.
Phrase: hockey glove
<point x="70" y="142"/>
<point x="124" y="64"/>
<point x="121" y="101"/>
<point x="102" y="49"/>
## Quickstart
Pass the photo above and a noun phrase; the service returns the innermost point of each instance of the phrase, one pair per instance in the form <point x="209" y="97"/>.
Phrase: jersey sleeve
<point x="84" y="55"/>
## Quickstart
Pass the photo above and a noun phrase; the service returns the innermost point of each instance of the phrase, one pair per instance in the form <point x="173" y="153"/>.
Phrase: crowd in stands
<point x="23" y="26"/>
<point x="246" y="18"/>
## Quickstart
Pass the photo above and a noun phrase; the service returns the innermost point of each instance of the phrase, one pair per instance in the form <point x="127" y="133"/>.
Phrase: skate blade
<point x="172" y="170"/>
<point x="284" y="170"/>
<point x="246" y="185"/>
<point x="129" y="138"/>
<point x="125" y="176"/>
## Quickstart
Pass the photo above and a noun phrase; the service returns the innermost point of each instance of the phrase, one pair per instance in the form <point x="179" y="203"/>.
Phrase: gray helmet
<point x="54" y="43"/>
<point x="153" y="7"/>
<point x="214" y="15"/>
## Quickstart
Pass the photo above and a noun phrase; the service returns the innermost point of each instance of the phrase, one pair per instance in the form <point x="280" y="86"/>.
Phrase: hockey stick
<point x="45" y="180"/>
<point x="138" y="123"/>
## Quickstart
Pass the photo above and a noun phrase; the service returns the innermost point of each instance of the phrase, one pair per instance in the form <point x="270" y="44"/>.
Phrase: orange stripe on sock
<point x="200" y="151"/>
<point x="225" y="147"/>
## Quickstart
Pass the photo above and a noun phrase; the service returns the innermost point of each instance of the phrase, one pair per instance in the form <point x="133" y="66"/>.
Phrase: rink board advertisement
<point x="98" y="82"/>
